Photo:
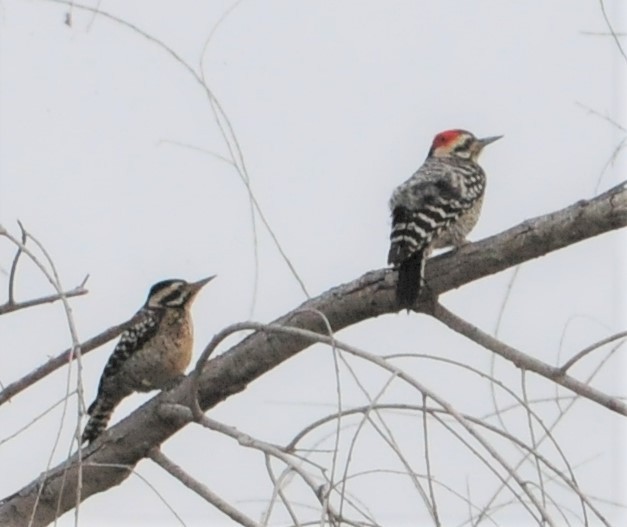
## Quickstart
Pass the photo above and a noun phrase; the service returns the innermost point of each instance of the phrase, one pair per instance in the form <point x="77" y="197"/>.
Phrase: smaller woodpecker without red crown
<point x="436" y="207"/>
<point x="151" y="355"/>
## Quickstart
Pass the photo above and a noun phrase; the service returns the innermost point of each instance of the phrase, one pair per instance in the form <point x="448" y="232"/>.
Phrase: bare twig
<point x="199" y="488"/>
<point x="532" y="436"/>
<point x="61" y="359"/>
<point x="548" y="434"/>
<point x="338" y="393"/>
<point x="530" y="451"/>
<point x="611" y="30"/>
<point x="388" y="437"/>
<point x="11" y="297"/>
<point x="570" y="362"/>
<point x="55" y="280"/>
<point x="318" y="489"/>
<point x="433" y="510"/>
<point x="405" y="377"/>
<point x="617" y="149"/>
<point x="603" y="116"/>
<point x="32" y="421"/>
<point x="522" y="360"/>
<point x="11" y="306"/>
<point x="51" y="274"/>
<point x="277" y="490"/>
<point x="130" y="470"/>
<point x="497" y="328"/>
<point x="519" y="403"/>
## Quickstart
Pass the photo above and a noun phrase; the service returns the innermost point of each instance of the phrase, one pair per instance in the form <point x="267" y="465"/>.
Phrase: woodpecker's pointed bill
<point x="437" y="207"/>
<point x="487" y="140"/>
<point x="197" y="286"/>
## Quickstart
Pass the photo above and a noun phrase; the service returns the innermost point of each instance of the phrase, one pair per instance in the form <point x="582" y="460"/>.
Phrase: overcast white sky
<point x="333" y="105"/>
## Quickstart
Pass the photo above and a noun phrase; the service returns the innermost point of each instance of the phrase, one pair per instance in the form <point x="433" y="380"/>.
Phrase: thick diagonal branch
<point x="369" y="296"/>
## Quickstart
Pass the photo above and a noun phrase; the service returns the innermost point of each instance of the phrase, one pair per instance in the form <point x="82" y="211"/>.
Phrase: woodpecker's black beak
<point x="197" y="286"/>
<point x="487" y="140"/>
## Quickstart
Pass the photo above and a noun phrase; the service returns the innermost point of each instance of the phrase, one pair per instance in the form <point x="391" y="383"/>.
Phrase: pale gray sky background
<point x="333" y="105"/>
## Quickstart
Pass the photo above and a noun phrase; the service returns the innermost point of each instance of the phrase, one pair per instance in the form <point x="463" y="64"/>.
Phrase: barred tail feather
<point x="100" y="413"/>
<point x="410" y="279"/>
<point x="412" y="232"/>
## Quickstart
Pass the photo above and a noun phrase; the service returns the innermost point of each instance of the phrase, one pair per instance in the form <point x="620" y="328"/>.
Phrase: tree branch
<point x="11" y="306"/>
<point x="369" y="296"/>
<point x="526" y="362"/>
<point x="63" y="358"/>
<point x="199" y="488"/>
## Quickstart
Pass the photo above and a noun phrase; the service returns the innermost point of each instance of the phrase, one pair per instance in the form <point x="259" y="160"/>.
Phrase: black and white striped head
<point x="174" y="293"/>
<point x="459" y="143"/>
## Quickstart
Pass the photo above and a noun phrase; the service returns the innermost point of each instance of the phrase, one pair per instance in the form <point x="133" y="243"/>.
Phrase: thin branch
<point x="338" y="431"/>
<point x="611" y="29"/>
<point x="11" y="297"/>
<point x="145" y="481"/>
<point x="214" y="29"/>
<point x="433" y="509"/>
<point x="32" y="421"/>
<point x="388" y="437"/>
<point x="294" y="332"/>
<point x="603" y="116"/>
<point x="519" y="403"/>
<point x="569" y="482"/>
<point x="497" y="328"/>
<point x="532" y="436"/>
<point x="548" y="434"/>
<point x="198" y="149"/>
<point x="277" y="490"/>
<point x="11" y="306"/>
<point x="199" y="488"/>
<point x="522" y="360"/>
<point x="62" y="359"/>
<point x="53" y="277"/>
<point x="319" y="490"/>
<point x="569" y="363"/>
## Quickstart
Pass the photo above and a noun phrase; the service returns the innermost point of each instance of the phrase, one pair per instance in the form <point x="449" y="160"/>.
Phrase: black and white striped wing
<point x="428" y="203"/>
<point x="131" y="340"/>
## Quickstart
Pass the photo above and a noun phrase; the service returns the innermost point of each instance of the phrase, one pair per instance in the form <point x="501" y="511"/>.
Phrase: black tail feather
<point x="410" y="278"/>
<point x="100" y="412"/>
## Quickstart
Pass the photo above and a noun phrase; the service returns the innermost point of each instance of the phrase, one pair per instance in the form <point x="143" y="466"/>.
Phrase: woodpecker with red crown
<point x="437" y="207"/>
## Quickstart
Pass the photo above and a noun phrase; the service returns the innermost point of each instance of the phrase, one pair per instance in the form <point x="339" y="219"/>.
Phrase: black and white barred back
<point x="437" y="207"/>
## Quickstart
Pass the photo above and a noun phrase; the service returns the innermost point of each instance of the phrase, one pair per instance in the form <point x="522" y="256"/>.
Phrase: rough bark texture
<point x="369" y="296"/>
